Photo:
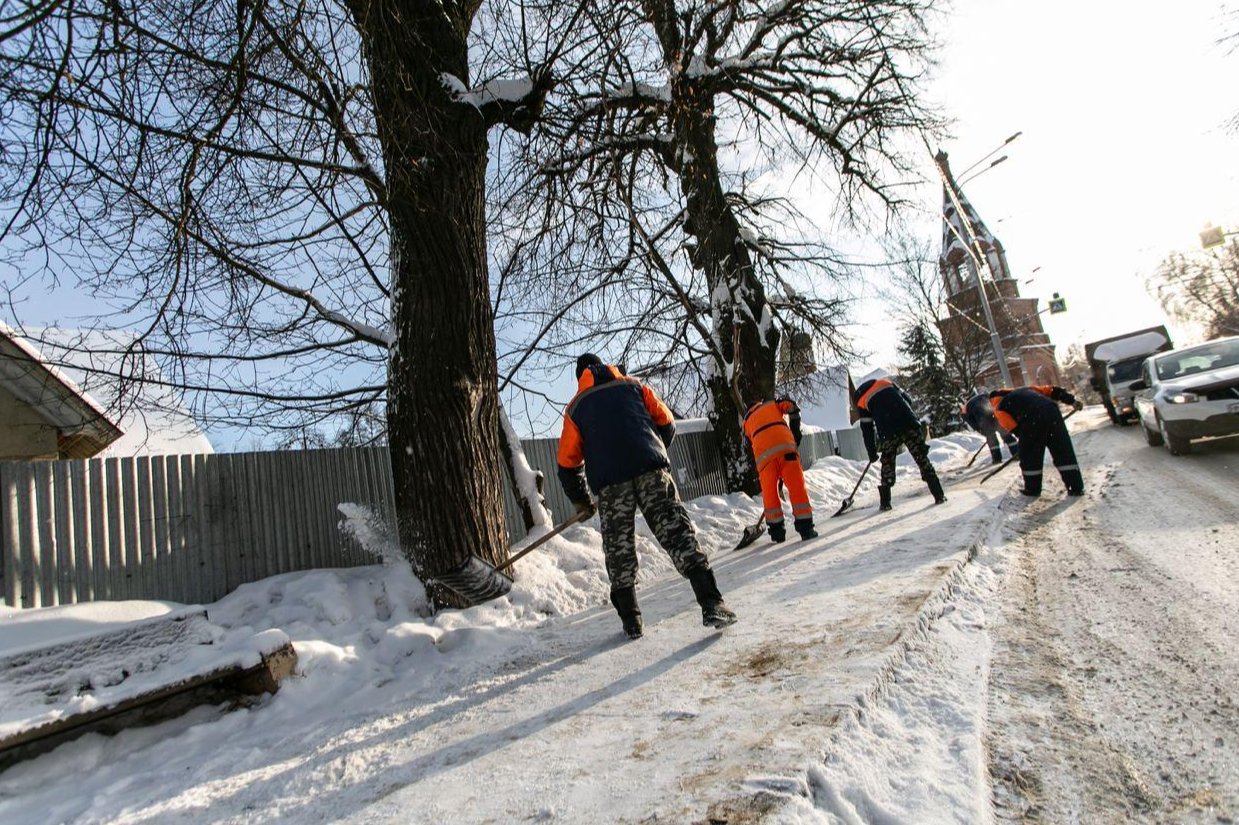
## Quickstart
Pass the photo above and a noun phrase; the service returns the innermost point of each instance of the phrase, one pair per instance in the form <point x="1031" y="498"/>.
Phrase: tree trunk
<point x="443" y="399"/>
<point x="738" y="299"/>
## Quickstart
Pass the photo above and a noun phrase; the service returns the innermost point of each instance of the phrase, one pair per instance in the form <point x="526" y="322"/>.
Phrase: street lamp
<point x="976" y="175"/>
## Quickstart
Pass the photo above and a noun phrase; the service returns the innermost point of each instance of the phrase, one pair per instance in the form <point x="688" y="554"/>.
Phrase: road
<point x="1114" y="682"/>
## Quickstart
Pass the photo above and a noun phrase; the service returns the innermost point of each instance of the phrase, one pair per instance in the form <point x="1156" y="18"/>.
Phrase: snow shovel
<point x="974" y="456"/>
<point x="477" y="581"/>
<point x="847" y="502"/>
<point x="755" y="531"/>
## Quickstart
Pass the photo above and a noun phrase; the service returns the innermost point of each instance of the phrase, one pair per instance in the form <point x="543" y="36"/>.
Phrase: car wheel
<point x="1175" y="445"/>
<point x="1153" y="437"/>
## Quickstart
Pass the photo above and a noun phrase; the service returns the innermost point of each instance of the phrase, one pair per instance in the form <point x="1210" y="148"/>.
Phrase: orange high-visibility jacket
<point x="768" y="432"/>
<point x="1011" y="406"/>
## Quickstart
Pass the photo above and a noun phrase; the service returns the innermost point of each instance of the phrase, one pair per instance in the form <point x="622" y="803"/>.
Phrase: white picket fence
<point x="191" y="528"/>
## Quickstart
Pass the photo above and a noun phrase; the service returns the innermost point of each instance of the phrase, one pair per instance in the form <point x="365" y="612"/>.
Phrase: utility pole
<point x="982" y="264"/>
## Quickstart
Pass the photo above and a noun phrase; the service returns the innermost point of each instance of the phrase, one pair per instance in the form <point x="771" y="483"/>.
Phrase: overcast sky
<point x="1124" y="156"/>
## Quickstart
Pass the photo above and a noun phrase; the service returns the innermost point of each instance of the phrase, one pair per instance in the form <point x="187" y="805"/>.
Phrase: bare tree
<point x="287" y="199"/>
<point x="1201" y="288"/>
<point x="652" y="154"/>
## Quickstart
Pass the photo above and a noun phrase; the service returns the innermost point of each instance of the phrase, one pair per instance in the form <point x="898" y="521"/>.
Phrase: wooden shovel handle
<point x="577" y="518"/>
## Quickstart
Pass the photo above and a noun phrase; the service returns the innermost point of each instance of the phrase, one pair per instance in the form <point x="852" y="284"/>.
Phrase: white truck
<point x="1116" y="366"/>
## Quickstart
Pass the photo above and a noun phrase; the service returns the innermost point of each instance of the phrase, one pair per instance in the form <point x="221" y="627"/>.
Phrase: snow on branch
<point x="515" y="102"/>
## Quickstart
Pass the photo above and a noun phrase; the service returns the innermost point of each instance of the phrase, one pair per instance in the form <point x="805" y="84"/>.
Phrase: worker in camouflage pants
<point x="914" y="439"/>
<point x="615" y="439"/>
<point x="887" y="422"/>
<point x="655" y="495"/>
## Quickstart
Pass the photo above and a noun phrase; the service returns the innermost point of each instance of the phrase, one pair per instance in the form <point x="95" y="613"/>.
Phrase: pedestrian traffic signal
<point x="1057" y="305"/>
<point x="1212" y="236"/>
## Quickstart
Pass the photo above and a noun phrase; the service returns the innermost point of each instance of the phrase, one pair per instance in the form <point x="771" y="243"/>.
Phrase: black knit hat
<point x="585" y="361"/>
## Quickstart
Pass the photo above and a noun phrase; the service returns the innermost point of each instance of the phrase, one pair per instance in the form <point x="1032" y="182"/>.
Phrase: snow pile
<point x="369" y="649"/>
<point x="917" y="753"/>
<point x="48" y="682"/>
<point x="21" y="628"/>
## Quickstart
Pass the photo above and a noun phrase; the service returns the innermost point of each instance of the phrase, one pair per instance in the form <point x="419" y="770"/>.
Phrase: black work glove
<point x="1077" y="406"/>
<point x="585" y="507"/>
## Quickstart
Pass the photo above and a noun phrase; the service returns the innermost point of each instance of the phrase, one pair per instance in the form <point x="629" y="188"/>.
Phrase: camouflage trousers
<point x="655" y="495"/>
<point x="914" y="439"/>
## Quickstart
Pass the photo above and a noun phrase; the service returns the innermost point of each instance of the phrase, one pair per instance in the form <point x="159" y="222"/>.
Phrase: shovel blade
<point x="847" y="502"/>
<point x="751" y="534"/>
<point x="475" y="581"/>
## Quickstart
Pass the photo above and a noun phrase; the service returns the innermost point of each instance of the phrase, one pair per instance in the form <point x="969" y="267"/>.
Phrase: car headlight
<point x="1182" y="397"/>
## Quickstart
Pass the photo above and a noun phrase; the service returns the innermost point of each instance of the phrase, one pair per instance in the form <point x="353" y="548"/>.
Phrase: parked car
<point x="1189" y="393"/>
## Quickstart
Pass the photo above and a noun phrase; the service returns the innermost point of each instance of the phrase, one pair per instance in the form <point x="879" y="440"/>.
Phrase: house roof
<point x="122" y="384"/>
<point x="84" y="425"/>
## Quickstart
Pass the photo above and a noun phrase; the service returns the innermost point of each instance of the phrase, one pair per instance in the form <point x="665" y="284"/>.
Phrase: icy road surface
<point x="1114" y="686"/>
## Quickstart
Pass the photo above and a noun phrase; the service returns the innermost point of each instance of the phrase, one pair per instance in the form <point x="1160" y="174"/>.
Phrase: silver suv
<point x="1189" y="393"/>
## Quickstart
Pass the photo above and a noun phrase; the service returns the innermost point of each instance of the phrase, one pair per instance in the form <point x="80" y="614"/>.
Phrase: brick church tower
<point x="1030" y="354"/>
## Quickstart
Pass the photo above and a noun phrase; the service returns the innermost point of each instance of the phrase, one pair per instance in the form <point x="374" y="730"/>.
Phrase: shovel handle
<point x="559" y="529"/>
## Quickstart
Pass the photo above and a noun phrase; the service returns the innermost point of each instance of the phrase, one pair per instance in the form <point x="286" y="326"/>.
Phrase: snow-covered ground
<point x="533" y="705"/>
<point x="1084" y="669"/>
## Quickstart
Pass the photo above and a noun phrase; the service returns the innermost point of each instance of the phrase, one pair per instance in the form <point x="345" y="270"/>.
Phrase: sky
<point x="1123" y="156"/>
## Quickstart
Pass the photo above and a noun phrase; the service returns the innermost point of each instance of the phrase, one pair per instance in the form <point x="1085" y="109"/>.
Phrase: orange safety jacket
<point x="1010" y="406"/>
<point x="768" y="432"/>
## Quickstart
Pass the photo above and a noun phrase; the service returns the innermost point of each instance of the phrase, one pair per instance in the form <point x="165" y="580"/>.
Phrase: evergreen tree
<point x="925" y="377"/>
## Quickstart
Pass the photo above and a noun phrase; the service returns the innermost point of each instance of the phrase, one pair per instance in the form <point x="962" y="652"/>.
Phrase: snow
<point x="50" y="625"/>
<point x="532" y="706"/>
<point x="82" y="672"/>
<point x="692" y="425"/>
<point x="1145" y="343"/>
<point x="499" y="89"/>
<point x="526" y="476"/>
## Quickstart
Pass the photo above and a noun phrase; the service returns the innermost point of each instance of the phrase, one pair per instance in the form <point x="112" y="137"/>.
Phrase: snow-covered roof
<point x="148" y="418"/>
<point x="827" y="404"/>
<point x="55" y="396"/>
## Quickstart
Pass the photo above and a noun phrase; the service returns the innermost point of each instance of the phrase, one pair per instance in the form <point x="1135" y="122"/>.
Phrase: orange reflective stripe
<point x="877" y="387"/>
<point x="1005" y="420"/>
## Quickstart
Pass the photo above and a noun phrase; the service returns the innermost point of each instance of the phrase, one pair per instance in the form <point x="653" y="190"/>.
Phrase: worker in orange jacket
<point x="776" y="442"/>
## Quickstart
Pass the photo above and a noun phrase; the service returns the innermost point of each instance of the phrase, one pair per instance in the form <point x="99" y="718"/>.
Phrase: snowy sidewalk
<point x="686" y="724"/>
<point x="534" y="707"/>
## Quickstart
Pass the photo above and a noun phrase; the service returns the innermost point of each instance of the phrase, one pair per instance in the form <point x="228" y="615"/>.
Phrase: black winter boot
<point x="995" y="456"/>
<point x="777" y="530"/>
<point x="1074" y="482"/>
<point x="935" y="486"/>
<point x="713" y="612"/>
<point x="1032" y="486"/>
<point x="625" y="601"/>
<point x="884" y="498"/>
<point x="804" y="526"/>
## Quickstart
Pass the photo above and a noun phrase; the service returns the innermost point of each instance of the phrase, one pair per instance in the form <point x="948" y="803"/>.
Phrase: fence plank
<point x="31" y="579"/>
<point x="102" y="566"/>
<point x="178" y="531"/>
<point x="10" y="563"/>
<point x="83" y="555"/>
<point x="45" y="534"/>
<point x="145" y="502"/>
<point x="194" y="488"/>
<point x="132" y="529"/>
<point x="158" y="531"/>
<point x="62" y="528"/>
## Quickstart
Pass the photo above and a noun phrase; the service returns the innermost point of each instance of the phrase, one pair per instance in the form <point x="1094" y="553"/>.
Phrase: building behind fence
<point x="191" y="528"/>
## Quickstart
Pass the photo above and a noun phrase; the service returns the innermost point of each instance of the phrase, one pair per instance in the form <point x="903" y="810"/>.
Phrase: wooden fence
<point x="191" y="528"/>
